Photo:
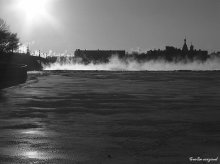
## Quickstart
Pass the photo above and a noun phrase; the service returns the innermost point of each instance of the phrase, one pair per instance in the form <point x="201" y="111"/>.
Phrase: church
<point x="185" y="47"/>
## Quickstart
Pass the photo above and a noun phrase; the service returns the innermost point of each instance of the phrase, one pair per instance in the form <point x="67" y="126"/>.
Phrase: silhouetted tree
<point x="3" y="34"/>
<point x="13" y="43"/>
<point x="9" y="42"/>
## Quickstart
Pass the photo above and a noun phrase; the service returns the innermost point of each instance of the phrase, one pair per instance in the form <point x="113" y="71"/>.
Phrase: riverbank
<point x="12" y="74"/>
<point x="34" y="63"/>
<point x="14" y="67"/>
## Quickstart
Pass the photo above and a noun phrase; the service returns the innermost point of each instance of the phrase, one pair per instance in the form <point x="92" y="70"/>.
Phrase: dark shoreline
<point x="12" y="74"/>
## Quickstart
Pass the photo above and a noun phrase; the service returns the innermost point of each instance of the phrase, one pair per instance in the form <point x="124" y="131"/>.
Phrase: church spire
<point x="185" y="47"/>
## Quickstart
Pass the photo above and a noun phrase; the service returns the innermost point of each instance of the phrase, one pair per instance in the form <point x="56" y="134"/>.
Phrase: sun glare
<point x="34" y="10"/>
<point x="35" y="14"/>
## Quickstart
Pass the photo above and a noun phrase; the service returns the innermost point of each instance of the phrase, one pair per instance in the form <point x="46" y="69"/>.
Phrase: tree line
<point x="9" y="42"/>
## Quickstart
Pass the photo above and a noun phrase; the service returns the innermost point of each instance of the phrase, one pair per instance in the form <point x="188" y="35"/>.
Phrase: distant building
<point x="169" y="54"/>
<point x="98" y="55"/>
<point x="79" y="53"/>
<point x="185" y="47"/>
<point x="191" y="48"/>
<point x="171" y="49"/>
<point x="192" y="51"/>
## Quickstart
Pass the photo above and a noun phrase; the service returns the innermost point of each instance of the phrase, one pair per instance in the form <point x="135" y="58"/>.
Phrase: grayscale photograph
<point x="109" y="81"/>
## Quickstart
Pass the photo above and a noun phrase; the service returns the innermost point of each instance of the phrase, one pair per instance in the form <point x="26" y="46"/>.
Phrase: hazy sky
<point x="115" y="24"/>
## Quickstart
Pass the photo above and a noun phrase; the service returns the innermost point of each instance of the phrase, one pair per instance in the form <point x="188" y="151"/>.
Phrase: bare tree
<point x="3" y="26"/>
<point x="8" y="41"/>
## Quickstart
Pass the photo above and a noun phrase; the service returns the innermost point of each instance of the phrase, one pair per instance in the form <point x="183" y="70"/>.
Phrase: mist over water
<point x="116" y="64"/>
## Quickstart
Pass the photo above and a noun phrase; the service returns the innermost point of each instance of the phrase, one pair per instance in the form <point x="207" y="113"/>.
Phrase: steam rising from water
<point x="116" y="64"/>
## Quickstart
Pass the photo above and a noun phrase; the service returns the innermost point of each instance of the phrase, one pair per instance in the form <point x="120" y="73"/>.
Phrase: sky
<point x="66" y="25"/>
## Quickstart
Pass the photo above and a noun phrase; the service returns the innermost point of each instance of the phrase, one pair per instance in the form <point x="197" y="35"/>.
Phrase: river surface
<point x="89" y="117"/>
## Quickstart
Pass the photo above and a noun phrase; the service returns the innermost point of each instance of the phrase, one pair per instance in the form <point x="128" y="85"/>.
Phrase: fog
<point x="116" y="64"/>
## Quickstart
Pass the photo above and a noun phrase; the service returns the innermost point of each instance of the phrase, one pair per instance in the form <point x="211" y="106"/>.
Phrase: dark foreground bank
<point x="14" y="67"/>
<point x="111" y="117"/>
<point x="34" y="63"/>
<point x="12" y="74"/>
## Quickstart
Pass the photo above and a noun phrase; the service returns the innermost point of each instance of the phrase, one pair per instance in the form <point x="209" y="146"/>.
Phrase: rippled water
<point x="87" y="117"/>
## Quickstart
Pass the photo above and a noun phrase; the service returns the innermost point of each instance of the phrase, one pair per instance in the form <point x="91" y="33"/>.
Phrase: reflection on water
<point x="34" y="132"/>
<point x="25" y="152"/>
<point x="111" y="117"/>
<point x="33" y="154"/>
<point x="36" y="138"/>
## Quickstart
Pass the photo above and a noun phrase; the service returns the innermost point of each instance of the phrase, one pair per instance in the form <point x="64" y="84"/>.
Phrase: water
<point x="87" y="117"/>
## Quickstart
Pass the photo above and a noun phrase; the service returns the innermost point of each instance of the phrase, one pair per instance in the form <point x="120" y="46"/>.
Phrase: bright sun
<point x="34" y="10"/>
